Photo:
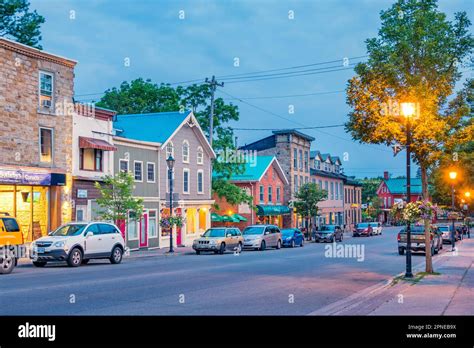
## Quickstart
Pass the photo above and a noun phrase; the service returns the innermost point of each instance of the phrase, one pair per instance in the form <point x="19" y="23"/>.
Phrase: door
<point x="144" y="230"/>
<point x="234" y="238"/>
<point x="93" y="244"/>
<point x="109" y="237"/>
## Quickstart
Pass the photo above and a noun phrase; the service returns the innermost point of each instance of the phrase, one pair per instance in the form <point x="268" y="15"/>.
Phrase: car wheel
<point x="216" y="252"/>
<point x="302" y="243"/>
<point x="278" y="246"/>
<point x="75" y="258"/>
<point x="7" y="265"/>
<point x="116" y="256"/>
<point x="222" y="248"/>
<point x="401" y="251"/>
<point x="332" y="239"/>
<point x="85" y="261"/>
<point x="39" y="263"/>
<point x="292" y="243"/>
<point x="263" y="246"/>
<point x="238" y="250"/>
<point x="198" y="252"/>
<point x="341" y="238"/>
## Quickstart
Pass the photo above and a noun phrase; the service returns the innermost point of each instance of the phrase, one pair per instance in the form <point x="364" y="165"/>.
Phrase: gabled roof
<point x="398" y="185"/>
<point x="255" y="171"/>
<point x="157" y="127"/>
<point x="314" y="154"/>
<point x="326" y="156"/>
<point x="335" y="160"/>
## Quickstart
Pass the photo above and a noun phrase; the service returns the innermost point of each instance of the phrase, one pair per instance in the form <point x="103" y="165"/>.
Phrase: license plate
<point x="40" y="250"/>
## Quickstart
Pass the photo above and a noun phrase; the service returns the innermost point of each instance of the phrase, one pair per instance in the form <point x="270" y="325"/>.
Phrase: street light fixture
<point x="453" y="175"/>
<point x="408" y="111"/>
<point x="170" y="162"/>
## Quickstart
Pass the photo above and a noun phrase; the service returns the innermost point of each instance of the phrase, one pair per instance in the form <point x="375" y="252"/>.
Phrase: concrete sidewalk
<point x="449" y="293"/>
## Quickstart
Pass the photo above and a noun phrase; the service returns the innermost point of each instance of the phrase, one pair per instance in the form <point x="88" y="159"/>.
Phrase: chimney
<point x="385" y="175"/>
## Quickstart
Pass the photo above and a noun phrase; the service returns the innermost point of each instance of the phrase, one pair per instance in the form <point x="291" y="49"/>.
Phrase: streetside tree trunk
<point x="425" y="194"/>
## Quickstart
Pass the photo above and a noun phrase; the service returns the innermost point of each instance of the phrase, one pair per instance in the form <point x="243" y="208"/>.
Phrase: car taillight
<point x="398" y="236"/>
<point x="366" y="229"/>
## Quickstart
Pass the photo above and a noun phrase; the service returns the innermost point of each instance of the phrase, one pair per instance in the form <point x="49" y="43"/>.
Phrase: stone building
<point x="36" y="105"/>
<point x="292" y="149"/>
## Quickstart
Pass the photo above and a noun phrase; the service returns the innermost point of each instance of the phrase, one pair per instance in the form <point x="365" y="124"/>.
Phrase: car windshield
<point x="69" y="230"/>
<point x="328" y="228"/>
<point x="287" y="232"/>
<point x="444" y="228"/>
<point x="374" y="224"/>
<point x="214" y="232"/>
<point x="363" y="225"/>
<point x="415" y="230"/>
<point x="254" y="230"/>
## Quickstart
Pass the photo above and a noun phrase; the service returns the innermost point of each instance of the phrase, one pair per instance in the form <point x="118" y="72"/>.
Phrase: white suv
<point x="78" y="242"/>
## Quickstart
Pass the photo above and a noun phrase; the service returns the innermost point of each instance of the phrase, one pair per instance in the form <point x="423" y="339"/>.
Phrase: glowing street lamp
<point x="453" y="175"/>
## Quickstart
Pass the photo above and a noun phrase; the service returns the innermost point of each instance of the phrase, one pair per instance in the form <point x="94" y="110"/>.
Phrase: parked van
<point x="10" y="239"/>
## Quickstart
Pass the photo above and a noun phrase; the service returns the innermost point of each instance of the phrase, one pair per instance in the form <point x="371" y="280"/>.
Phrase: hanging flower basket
<point x="413" y="211"/>
<point x="170" y="221"/>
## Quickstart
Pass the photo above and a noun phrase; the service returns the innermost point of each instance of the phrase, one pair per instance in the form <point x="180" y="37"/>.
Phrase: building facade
<point x="292" y="149"/>
<point x="265" y="181"/>
<point x="176" y="134"/>
<point x="352" y="203"/>
<point x="36" y="97"/>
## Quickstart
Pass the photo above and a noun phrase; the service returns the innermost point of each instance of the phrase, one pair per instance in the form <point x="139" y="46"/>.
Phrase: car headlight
<point x="288" y="238"/>
<point x="59" y="244"/>
<point x="212" y="242"/>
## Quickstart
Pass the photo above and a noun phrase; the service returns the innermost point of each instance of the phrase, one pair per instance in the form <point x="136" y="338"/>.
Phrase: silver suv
<point x="219" y="239"/>
<point x="259" y="237"/>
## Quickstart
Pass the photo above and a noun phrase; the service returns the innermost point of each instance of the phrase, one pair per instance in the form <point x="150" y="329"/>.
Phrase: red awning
<point x="91" y="143"/>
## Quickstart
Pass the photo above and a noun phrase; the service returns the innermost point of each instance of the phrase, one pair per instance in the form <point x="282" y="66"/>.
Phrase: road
<point x="274" y="282"/>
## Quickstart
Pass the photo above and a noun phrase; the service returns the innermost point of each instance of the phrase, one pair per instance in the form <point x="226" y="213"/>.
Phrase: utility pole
<point x="213" y="83"/>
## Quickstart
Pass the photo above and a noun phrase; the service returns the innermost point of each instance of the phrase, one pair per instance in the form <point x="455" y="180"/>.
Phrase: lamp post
<point x="408" y="111"/>
<point x="468" y="219"/>
<point x="452" y="175"/>
<point x="170" y="162"/>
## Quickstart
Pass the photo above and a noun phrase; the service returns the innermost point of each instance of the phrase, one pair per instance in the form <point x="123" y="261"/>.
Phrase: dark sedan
<point x="292" y="237"/>
<point x="329" y="233"/>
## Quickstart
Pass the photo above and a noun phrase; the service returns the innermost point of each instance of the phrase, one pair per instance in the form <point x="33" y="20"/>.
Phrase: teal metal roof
<point x="153" y="127"/>
<point x="398" y="185"/>
<point x="252" y="171"/>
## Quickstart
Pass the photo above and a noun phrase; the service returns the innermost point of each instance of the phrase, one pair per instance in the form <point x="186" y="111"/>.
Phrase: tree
<point x="415" y="58"/>
<point x="373" y="208"/>
<point x="307" y="199"/>
<point x="116" y="198"/>
<point x="369" y="188"/>
<point x="19" y="24"/>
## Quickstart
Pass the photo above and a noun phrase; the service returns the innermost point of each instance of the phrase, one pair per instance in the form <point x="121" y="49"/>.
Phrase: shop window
<point x="46" y="145"/>
<point x="202" y="220"/>
<point x="91" y="159"/>
<point x="138" y="170"/>
<point x="46" y="81"/>
<point x="191" y="220"/>
<point x="151" y="172"/>
<point x="132" y="230"/>
<point x="152" y="224"/>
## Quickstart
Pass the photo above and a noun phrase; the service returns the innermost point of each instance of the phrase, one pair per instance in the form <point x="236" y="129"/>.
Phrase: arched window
<point x="169" y="150"/>
<point x="200" y="155"/>
<point x="185" y="151"/>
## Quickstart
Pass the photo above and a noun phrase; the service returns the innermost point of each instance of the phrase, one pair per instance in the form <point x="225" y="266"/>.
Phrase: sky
<point x="173" y="41"/>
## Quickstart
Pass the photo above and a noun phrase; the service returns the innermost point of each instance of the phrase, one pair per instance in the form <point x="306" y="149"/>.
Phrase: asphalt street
<point x="273" y="282"/>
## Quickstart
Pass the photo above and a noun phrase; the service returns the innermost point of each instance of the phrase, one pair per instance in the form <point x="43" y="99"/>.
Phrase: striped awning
<point x="91" y="143"/>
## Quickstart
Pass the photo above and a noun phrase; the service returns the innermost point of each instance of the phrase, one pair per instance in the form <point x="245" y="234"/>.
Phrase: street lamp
<point x="170" y="162"/>
<point x="452" y="175"/>
<point x="408" y="111"/>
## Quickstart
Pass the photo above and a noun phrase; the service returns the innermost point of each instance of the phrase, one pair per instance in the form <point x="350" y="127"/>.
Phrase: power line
<point x="297" y="128"/>
<point x="288" y="96"/>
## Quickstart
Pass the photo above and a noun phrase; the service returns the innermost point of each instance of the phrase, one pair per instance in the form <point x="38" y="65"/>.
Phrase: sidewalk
<point x="450" y="293"/>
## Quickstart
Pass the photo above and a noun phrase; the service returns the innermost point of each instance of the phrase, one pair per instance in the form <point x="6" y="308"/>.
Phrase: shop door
<point x="144" y="230"/>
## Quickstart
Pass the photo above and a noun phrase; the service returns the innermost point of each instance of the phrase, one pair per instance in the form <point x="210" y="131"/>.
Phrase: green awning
<point x="227" y="218"/>
<point x="239" y="217"/>
<point x="216" y="217"/>
<point x="268" y="210"/>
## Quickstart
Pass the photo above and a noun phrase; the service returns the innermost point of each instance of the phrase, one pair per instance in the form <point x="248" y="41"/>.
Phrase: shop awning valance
<point x="269" y="210"/>
<point x="216" y="217"/>
<point x="91" y="143"/>
<point x="239" y="217"/>
<point x="229" y="218"/>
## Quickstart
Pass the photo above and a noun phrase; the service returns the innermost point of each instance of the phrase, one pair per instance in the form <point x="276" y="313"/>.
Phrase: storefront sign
<point x="24" y="178"/>
<point x="81" y="193"/>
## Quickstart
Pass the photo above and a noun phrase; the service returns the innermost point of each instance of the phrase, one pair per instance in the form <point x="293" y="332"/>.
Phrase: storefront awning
<point x="239" y="217"/>
<point x="216" y="217"/>
<point x="91" y="143"/>
<point x="269" y="210"/>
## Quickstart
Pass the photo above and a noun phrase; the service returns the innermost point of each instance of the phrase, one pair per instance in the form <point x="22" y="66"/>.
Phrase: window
<point x="132" y="224"/>
<point x="152" y="230"/>
<point x="169" y="150"/>
<point x="107" y="229"/>
<point x="185" y="180"/>
<point x="138" y="170"/>
<point x="306" y="179"/>
<point x="185" y="151"/>
<point x="262" y="199"/>
<point x="91" y="159"/>
<point x="45" y="89"/>
<point x="94" y="228"/>
<point x="150" y="172"/>
<point x="200" y="181"/>
<point x="321" y="184"/>
<point x="341" y="191"/>
<point x="326" y="186"/>
<point x="332" y="190"/>
<point x="295" y="159"/>
<point x="11" y="225"/>
<point x="278" y="194"/>
<point x="270" y="194"/>
<point x="306" y="161"/>
<point x="337" y="191"/>
<point x="301" y="159"/>
<point x="123" y="165"/>
<point x="46" y="145"/>
<point x="200" y="155"/>
<point x="296" y="182"/>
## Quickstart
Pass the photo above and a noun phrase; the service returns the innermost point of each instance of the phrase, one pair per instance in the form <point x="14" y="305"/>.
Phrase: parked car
<point x="446" y="233"/>
<point x="363" y="229"/>
<point x="78" y="242"/>
<point x="292" y="237"/>
<point x="329" y="233"/>
<point x="10" y="239"/>
<point x="418" y="239"/>
<point x="218" y="240"/>
<point x="259" y="237"/>
<point x="376" y="228"/>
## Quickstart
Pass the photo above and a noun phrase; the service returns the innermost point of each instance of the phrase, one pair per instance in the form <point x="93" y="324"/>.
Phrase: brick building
<point x="36" y="90"/>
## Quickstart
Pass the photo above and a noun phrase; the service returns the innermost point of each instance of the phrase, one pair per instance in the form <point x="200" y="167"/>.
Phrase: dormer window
<point x="185" y="151"/>
<point x="169" y="150"/>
